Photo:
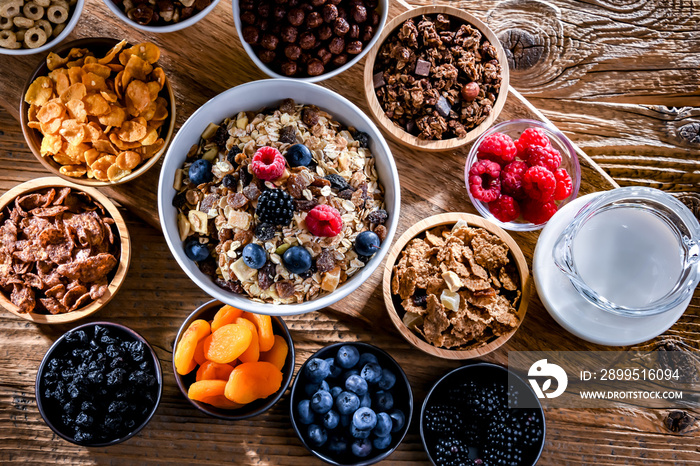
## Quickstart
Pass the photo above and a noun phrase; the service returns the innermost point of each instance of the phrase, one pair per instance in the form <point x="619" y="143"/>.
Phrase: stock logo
<point x="542" y="368"/>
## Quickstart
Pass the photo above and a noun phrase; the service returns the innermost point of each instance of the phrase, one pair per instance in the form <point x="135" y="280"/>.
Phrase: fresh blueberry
<point x="345" y="420"/>
<point x="306" y="416"/>
<point x="200" y="172"/>
<point x="388" y="380"/>
<point x="361" y="448"/>
<point x="383" y="400"/>
<point x="337" y="445"/>
<point x="364" y="419"/>
<point x="382" y="443"/>
<point x="311" y="388"/>
<point x="359" y="433"/>
<point x="356" y="384"/>
<point x="384" y="425"/>
<point x="371" y="372"/>
<point x="298" y="155"/>
<point x="316" y="370"/>
<point x="321" y="402"/>
<point x="366" y="400"/>
<point x="348" y="374"/>
<point x="347" y="356"/>
<point x="196" y="251"/>
<point x="366" y="358"/>
<point x="317" y="435"/>
<point x="367" y="243"/>
<point x="331" y="420"/>
<point x="335" y="391"/>
<point x="347" y="403"/>
<point x="254" y="256"/>
<point x="398" y="420"/>
<point x="336" y="370"/>
<point x="297" y="259"/>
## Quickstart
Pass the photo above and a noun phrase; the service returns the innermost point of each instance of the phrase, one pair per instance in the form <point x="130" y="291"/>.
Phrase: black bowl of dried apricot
<point x="99" y="384"/>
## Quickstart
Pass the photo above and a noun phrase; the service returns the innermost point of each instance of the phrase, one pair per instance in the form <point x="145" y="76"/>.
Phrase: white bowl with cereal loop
<point x="51" y="42"/>
<point x="254" y="96"/>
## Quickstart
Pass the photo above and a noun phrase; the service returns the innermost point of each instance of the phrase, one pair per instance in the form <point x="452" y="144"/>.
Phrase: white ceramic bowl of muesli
<point x="373" y="166"/>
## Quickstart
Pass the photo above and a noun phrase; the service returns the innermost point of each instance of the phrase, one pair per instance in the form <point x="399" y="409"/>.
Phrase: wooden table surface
<point x="619" y="78"/>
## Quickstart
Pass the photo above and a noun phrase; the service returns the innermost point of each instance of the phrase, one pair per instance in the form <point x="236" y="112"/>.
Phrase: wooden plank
<point x="157" y="296"/>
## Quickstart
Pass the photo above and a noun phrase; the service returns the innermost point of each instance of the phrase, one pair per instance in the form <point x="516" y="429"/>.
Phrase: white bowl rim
<point x="242" y="301"/>
<point x="162" y="29"/>
<point x="74" y="18"/>
<point x="309" y="79"/>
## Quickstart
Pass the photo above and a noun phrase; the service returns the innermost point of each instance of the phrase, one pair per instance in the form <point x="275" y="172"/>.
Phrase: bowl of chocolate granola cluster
<point x="456" y="286"/>
<point x="309" y="41"/>
<point x="438" y="79"/>
<point x="163" y="15"/>
<point x="273" y="206"/>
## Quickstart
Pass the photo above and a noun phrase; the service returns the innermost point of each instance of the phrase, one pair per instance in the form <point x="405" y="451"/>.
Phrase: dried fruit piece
<point x="252" y="353"/>
<point x="224" y="316"/>
<point x="203" y="389"/>
<point x="264" y="325"/>
<point x="253" y="380"/>
<point x="227" y="343"/>
<point x="210" y="370"/>
<point x="277" y="355"/>
<point x="184" y="353"/>
<point x="220" y="401"/>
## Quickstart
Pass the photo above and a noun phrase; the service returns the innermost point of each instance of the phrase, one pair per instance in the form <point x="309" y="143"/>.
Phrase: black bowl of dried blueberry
<point x="482" y="414"/>
<point x="99" y="384"/>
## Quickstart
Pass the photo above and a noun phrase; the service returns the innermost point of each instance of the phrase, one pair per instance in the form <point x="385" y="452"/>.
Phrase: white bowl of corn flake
<point x="250" y="117"/>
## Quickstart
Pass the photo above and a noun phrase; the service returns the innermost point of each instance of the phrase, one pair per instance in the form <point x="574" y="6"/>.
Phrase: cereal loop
<point x="34" y="37"/>
<point x="43" y="3"/>
<point x="10" y="9"/>
<point x="8" y="40"/>
<point x="45" y="26"/>
<point x="57" y="29"/>
<point x="33" y="11"/>
<point x="22" y="22"/>
<point x="5" y="23"/>
<point x="57" y="14"/>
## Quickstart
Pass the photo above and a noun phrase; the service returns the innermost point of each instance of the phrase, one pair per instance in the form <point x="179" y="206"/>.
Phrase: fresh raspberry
<point x="512" y="179"/>
<point x="564" y="185"/>
<point x="538" y="212"/>
<point x="505" y="208"/>
<point x="498" y="147"/>
<point x="268" y="163"/>
<point x="546" y="157"/>
<point x="539" y="183"/>
<point x="484" y="181"/>
<point x="324" y="220"/>
<point x="533" y="136"/>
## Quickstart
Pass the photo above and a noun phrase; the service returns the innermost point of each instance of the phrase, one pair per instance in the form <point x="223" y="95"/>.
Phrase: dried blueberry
<point x="362" y="138"/>
<point x="230" y="181"/>
<point x="116" y="377"/>
<point x="232" y="153"/>
<point x="179" y="200"/>
<point x="378" y="217"/>
<point x="220" y="137"/>
<point x="337" y="182"/>
<point x="265" y="231"/>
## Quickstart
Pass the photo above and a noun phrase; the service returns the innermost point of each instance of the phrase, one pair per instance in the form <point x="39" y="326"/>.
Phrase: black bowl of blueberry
<point x="351" y="404"/>
<point x="482" y="415"/>
<point x="99" y="384"/>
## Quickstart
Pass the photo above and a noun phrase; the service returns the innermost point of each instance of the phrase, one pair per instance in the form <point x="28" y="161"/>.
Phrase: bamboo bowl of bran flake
<point x="493" y="335"/>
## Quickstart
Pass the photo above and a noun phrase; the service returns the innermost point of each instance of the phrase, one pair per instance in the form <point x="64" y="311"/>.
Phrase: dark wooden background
<point x="618" y="77"/>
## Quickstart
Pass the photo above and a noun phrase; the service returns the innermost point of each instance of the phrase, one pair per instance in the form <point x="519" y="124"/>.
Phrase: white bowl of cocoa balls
<point x="308" y="41"/>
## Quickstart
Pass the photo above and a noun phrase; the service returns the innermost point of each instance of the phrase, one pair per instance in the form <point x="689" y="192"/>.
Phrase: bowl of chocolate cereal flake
<point x="438" y="79"/>
<point x="279" y="197"/>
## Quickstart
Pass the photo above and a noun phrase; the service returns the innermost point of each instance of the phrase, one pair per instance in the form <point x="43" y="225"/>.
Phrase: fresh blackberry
<point x="530" y="423"/>
<point x="513" y="397"/>
<point x="451" y="451"/>
<point x="362" y="138"/>
<point x="443" y="420"/>
<point x="488" y="400"/>
<point x="503" y="441"/>
<point x="276" y="207"/>
<point x="265" y="231"/>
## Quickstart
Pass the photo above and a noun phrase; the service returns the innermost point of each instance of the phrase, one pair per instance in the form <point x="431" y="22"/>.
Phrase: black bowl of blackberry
<point x="482" y="414"/>
<point x="99" y="384"/>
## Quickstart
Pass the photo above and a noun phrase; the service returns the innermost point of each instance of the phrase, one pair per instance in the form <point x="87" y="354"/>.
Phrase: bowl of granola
<point x="438" y="79"/>
<point x="456" y="286"/>
<point x="65" y="251"/>
<point x="271" y="205"/>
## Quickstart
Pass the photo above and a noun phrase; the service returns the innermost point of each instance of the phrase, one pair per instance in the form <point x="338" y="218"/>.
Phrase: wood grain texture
<point x="392" y="129"/>
<point x="450" y="219"/>
<point x="157" y="296"/>
<point x="123" y="238"/>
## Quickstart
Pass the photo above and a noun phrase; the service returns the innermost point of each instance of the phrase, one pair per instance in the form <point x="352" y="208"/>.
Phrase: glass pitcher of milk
<point x="632" y="251"/>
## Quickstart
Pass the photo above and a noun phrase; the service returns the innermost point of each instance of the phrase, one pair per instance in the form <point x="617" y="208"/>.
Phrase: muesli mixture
<point x="437" y="77"/>
<point x="458" y="286"/>
<point x="282" y="205"/>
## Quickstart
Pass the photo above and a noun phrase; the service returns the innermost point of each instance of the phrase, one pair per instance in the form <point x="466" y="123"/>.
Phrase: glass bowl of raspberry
<point x="520" y="172"/>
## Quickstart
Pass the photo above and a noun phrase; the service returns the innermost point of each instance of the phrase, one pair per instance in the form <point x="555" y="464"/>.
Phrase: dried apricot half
<point x="252" y="354"/>
<point x="184" y="353"/>
<point x="277" y="355"/>
<point x="224" y="316"/>
<point x="263" y="323"/>
<point x="253" y="380"/>
<point x="227" y="343"/>
<point x="206" y="388"/>
<point x="211" y="370"/>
